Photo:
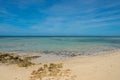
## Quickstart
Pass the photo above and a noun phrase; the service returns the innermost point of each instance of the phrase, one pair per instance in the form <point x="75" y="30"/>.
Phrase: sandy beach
<point x="59" y="39"/>
<point x="100" y="67"/>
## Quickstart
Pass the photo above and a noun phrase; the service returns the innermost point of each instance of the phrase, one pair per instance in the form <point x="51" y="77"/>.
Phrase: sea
<point x="60" y="45"/>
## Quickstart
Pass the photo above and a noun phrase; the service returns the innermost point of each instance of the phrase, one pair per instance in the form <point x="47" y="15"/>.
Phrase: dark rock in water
<point x="73" y="55"/>
<point x="47" y="52"/>
<point x="80" y="54"/>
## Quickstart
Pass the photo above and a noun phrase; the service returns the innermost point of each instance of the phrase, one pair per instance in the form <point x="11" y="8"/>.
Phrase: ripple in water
<point x="66" y="46"/>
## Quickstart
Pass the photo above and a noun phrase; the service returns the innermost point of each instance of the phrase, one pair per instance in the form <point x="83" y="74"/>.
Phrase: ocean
<point x="67" y="46"/>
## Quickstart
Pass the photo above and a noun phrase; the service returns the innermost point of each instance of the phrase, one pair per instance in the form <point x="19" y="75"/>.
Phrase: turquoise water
<point x="60" y="45"/>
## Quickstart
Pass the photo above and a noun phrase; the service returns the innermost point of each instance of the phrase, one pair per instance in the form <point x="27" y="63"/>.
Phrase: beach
<point x="59" y="39"/>
<point x="99" y="67"/>
<point x="59" y="58"/>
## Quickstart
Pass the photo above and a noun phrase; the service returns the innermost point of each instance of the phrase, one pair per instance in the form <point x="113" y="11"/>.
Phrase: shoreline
<point x="98" y="67"/>
<point x="46" y="58"/>
<point x="52" y="57"/>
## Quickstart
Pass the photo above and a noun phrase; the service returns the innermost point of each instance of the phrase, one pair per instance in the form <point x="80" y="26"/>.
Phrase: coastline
<point x="98" y="67"/>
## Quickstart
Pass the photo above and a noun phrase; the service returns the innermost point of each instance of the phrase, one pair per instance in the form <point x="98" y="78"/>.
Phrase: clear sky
<point x="60" y="17"/>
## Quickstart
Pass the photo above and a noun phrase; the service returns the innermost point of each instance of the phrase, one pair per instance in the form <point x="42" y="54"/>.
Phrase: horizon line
<point x="56" y="36"/>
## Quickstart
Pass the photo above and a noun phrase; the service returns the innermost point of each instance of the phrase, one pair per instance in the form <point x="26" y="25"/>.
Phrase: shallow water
<point x="60" y="45"/>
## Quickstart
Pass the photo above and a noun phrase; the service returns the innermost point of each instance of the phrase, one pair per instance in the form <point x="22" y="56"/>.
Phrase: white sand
<point x="101" y="67"/>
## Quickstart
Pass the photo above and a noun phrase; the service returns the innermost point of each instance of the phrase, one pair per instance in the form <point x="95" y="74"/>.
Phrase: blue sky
<point x="60" y="17"/>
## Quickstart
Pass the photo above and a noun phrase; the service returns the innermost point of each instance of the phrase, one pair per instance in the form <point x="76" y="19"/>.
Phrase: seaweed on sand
<point x="52" y="72"/>
<point x="21" y="61"/>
